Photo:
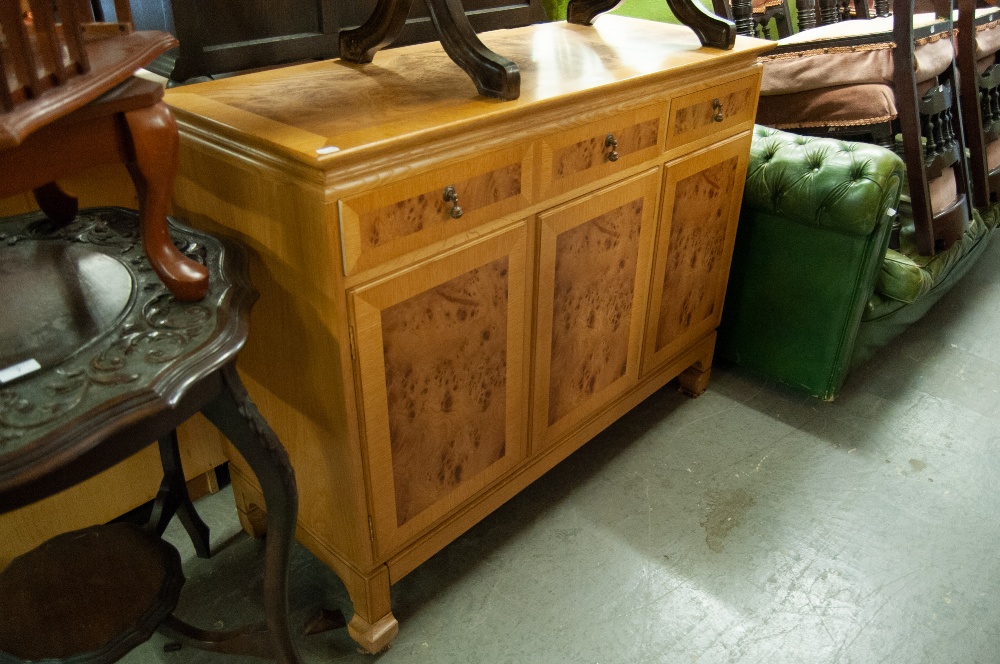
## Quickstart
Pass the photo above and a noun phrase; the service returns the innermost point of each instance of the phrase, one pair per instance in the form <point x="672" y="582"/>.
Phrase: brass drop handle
<point x="451" y="196"/>
<point x="717" y="107"/>
<point x="610" y="142"/>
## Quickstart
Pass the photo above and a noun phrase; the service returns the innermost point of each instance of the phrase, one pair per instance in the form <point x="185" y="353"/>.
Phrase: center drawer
<point x="406" y="215"/>
<point x="587" y="153"/>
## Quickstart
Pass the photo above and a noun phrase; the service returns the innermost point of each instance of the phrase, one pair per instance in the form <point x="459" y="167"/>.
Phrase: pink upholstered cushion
<point x="993" y="154"/>
<point x="843" y="106"/>
<point x="943" y="190"/>
<point x="821" y="66"/>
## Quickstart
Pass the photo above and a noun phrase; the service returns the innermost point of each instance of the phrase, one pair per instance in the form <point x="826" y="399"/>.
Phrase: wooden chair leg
<point x="153" y="166"/>
<point x="173" y="498"/>
<point x="57" y="205"/>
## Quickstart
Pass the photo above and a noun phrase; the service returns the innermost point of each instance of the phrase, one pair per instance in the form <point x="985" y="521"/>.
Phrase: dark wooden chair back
<point x="931" y="135"/>
<point x="927" y="117"/>
<point x="753" y="17"/>
<point x="980" y="102"/>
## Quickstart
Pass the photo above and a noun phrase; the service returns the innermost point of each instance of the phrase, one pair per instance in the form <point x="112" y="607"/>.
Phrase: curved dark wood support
<point x="235" y="415"/>
<point x="494" y="75"/>
<point x="381" y="29"/>
<point x="711" y="30"/>
<point x="249" y="641"/>
<point x="57" y="205"/>
<point x="583" y="12"/>
<point x="172" y="498"/>
<point x="153" y="166"/>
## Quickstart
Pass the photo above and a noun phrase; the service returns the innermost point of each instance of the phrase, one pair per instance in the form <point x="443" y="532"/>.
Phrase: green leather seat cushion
<point x="906" y="275"/>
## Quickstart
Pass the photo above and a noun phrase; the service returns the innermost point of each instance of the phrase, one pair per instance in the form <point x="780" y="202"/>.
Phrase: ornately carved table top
<point x="90" y="339"/>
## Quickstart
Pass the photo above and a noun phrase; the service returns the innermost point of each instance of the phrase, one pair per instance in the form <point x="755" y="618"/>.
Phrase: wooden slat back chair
<point x="753" y="17"/>
<point x="69" y="101"/>
<point x="978" y="45"/>
<point x="889" y="81"/>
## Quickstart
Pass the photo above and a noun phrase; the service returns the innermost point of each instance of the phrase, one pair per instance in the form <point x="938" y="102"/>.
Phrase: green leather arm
<point x="821" y="182"/>
<point x="813" y="232"/>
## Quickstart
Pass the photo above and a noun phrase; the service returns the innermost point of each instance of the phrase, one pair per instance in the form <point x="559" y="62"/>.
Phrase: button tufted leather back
<point x="822" y="182"/>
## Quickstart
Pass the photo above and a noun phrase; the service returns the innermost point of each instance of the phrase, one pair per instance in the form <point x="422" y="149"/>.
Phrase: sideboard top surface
<point x="319" y="112"/>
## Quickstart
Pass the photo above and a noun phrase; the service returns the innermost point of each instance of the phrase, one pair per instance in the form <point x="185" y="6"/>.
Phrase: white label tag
<point x="18" y="370"/>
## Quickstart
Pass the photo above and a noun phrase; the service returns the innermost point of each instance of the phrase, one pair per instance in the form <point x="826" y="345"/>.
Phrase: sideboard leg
<point x="693" y="381"/>
<point x="373" y="626"/>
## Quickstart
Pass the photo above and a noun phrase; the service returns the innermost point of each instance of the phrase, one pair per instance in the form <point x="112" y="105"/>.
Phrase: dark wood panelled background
<point x="219" y="36"/>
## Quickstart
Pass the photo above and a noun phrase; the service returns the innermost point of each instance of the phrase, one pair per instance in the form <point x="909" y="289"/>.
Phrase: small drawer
<point x="406" y="215"/>
<point x="712" y="112"/>
<point x="581" y="155"/>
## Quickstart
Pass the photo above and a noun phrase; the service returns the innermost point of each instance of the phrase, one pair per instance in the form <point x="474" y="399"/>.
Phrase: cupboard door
<point x="594" y="259"/>
<point x="694" y="247"/>
<point x="440" y="351"/>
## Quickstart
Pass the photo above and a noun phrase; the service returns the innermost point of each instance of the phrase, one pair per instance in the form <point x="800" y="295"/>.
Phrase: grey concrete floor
<point x="751" y="525"/>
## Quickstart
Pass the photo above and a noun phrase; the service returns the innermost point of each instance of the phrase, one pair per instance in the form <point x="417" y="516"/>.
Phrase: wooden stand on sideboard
<point x="457" y="292"/>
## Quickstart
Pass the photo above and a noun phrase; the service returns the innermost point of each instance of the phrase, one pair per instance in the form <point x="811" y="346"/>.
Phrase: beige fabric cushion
<point x="844" y="106"/>
<point x="988" y="34"/>
<point x="819" y="66"/>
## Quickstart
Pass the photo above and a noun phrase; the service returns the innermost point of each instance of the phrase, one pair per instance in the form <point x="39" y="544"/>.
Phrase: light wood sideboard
<point x="458" y="292"/>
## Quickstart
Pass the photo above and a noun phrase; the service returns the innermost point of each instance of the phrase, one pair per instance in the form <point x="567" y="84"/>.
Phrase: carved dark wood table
<point x="98" y="360"/>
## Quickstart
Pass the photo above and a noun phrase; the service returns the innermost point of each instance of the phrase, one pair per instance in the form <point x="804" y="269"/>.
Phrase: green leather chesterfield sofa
<point x="814" y="290"/>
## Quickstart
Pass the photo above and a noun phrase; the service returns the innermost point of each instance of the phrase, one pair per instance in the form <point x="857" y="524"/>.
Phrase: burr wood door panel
<point x="440" y="353"/>
<point x="594" y="261"/>
<point x="694" y="247"/>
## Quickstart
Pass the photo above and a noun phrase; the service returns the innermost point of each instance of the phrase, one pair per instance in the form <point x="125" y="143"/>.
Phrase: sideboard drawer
<point x="712" y="112"/>
<point x="400" y="217"/>
<point x="584" y="154"/>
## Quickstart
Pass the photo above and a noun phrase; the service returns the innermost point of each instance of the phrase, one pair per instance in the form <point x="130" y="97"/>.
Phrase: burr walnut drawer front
<point x="387" y="222"/>
<point x="713" y="112"/>
<point x="586" y="153"/>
